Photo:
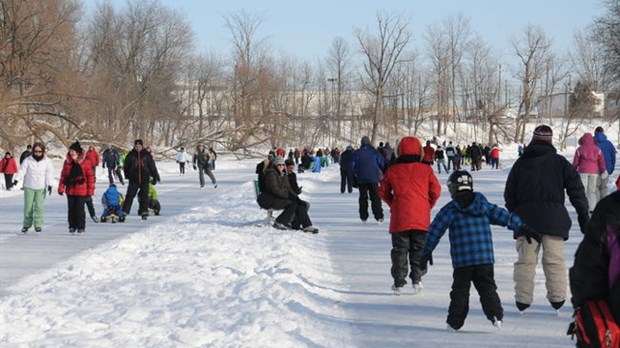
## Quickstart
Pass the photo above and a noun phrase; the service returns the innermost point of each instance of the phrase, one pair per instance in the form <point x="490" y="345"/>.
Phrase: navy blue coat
<point x="367" y="164"/>
<point x="535" y="190"/>
<point x="346" y="160"/>
<point x="608" y="149"/>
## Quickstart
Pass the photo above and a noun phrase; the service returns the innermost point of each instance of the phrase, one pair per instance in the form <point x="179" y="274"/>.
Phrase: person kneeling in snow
<point x="112" y="200"/>
<point x="469" y="216"/>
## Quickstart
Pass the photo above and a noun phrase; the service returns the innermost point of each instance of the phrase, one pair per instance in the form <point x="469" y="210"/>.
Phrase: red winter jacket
<point x="83" y="185"/>
<point x="428" y="154"/>
<point x="410" y="188"/>
<point x="8" y="166"/>
<point x="93" y="156"/>
<point x="494" y="152"/>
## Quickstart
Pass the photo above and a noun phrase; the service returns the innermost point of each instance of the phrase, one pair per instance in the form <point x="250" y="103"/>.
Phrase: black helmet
<point x="459" y="181"/>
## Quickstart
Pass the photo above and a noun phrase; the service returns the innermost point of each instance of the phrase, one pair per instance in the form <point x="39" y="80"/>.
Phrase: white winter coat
<point x="36" y="174"/>
<point x="181" y="157"/>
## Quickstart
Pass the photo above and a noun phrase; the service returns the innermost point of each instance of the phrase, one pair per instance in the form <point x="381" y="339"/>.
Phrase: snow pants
<point x="407" y="245"/>
<point x="8" y="181"/>
<point x="590" y="183"/>
<point x="33" y="207"/>
<point x="602" y="187"/>
<point x="375" y="201"/>
<point x="75" y="211"/>
<point x="553" y="264"/>
<point x="483" y="278"/>
<point x="346" y="180"/>
<point x="143" y="197"/>
<point x="201" y="175"/>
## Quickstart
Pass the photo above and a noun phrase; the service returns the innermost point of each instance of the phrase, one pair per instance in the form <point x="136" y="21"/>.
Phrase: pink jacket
<point x="588" y="158"/>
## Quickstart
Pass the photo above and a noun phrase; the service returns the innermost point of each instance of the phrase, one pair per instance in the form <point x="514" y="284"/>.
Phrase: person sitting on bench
<point x="278" y="194"/>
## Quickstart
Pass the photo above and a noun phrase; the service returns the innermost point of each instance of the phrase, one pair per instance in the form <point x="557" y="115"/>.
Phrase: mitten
<point x="529" y="234"/>
<point x="583" y="220"/>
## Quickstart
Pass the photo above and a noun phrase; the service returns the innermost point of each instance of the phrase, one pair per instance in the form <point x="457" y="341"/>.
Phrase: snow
<point x="207" y="273"/>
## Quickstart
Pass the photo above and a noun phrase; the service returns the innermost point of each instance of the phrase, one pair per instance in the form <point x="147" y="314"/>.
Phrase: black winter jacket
<point x="535" y="190"/>
<point x="278" y="192"/>
<point x="140" y="166"/>
<point x="589" y="276"/>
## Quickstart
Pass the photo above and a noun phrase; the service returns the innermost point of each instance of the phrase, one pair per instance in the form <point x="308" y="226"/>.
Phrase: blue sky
<point x="306" y="28"/>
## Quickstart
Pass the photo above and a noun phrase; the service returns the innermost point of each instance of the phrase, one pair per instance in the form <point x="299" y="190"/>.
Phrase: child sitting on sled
<point x="153" y="204"/>
<point x="112" y="200"/>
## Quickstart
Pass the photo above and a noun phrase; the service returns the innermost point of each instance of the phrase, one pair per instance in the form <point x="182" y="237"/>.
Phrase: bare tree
<point x="533" y="53"/>
<point x="438" y="53"/>
<point x="339" y="60"/>
<point x="587" y="59"/>
<point x="37" y="40"/>
<point x="607" y="34"/>
<point x="381" y="54"/>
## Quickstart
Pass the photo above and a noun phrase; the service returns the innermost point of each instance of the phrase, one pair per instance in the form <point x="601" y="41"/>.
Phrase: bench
<point x="270" y="219"/>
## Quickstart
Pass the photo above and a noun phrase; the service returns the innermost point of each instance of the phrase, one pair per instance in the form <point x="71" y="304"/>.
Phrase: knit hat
<point x="365" y="140"/>
<point x="350" y="147"/>
<point x="279" y="160"/>
<point x="76" y="147"/>
<point x="544" y="133"/>
<point x="599" y="129"/>
<point x="138" y="142"/>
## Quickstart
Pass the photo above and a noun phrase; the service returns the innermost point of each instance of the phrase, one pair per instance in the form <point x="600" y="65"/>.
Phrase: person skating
<point x="366" y="166"/>
<point x="201" y="161"/>
<point x="609" y="151"/>
<point x="37" y="172"/>
<point x="410" y="188"/>
<point x="346" y="174"/>
<point x="8" y="167"/>
<point x="469" y="217"/>
<point x="140" y="169"/>
<point x="589" y="162"/>
<point x="535" y="190"/>
<point x="182" y="159"/>
<point x="77" y="180"/>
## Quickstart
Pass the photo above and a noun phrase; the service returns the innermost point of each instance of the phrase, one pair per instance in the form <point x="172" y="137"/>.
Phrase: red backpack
<point x="594" y="323"/>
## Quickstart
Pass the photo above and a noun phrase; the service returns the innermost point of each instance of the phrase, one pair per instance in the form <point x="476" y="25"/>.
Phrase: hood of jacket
<point x="536" y="153"/>
<point x="410" y="146"/>
<point x="600" y="137"/>
<point x="586" y="139"/>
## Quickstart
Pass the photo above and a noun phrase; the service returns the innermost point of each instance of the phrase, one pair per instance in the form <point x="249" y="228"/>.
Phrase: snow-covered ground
<point x="207" y="274"/>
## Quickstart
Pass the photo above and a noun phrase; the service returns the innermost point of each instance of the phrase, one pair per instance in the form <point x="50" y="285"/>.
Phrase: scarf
<point x="76" y="175"/>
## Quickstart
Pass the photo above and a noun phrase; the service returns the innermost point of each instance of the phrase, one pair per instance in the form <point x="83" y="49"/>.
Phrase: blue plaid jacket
<point x="471" y="242"/>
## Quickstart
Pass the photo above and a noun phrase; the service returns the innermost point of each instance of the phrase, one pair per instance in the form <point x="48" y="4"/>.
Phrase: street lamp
<point x="333" y="80"/>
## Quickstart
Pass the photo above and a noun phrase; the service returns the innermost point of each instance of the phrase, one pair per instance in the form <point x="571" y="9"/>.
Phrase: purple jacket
<point x="589" y="158"/>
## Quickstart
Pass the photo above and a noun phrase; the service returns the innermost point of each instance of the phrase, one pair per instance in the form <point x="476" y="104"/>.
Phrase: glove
<point x="194" y="167"/>
<point x="14" y="182"/>
<point x="529" y="234"/>
<point x="61" y="193"/>
<point x="425" y="260"/>
<point x="103" y="165"/>
<point x="154" y="181"/>
<point x="604" y="175"/>
<point x="583" y="220"/>
<point x="49" y="190"/>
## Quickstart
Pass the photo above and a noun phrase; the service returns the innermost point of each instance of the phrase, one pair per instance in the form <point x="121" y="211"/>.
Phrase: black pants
<point x="345" y="181"/>
<point x="8" y="181"/>
<point x="182" y="167"/>
<point x="143" y="197"/>
<point x="90" y="206"/>
<point x="75" y="211"/>
<point x="483" y="278"/>
<point x="407" y="245"/>
<point x="301" y="218"/>
<point x="375" y="201"/>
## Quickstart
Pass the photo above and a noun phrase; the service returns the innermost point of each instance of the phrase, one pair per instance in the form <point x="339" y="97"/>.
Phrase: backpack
<point x="594" y="323"/>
